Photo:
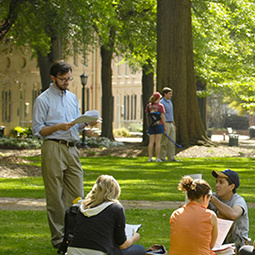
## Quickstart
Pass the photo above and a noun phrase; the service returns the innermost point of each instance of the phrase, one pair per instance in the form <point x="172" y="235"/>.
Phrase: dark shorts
<point x="159" y="129"/>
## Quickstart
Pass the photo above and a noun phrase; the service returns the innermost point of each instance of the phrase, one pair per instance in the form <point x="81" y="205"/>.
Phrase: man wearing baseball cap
<point x="227" y="204"/>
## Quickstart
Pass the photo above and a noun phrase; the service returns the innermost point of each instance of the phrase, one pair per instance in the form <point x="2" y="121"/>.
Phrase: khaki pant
<point x="63" y="180"/>
<point x="167" y="148"/>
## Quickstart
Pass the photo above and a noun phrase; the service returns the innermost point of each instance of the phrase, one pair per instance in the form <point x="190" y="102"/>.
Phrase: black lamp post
<point x="84" y="79"/>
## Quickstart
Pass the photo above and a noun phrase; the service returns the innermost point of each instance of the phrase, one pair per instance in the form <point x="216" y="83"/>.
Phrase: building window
<point x="118" y="67"/>
<point x="126" y="107"/>
<point x="35" y="94"/>
<point x="133" y="107"/>
<point x="7" y="105"/>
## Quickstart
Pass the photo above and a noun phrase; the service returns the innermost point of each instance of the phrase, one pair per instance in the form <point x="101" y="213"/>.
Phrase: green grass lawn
<point x="27" y="232"/>
<point x="154" y="181"/>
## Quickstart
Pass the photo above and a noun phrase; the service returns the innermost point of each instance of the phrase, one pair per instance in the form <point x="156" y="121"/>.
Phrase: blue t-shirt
<point x="169" y="110"/>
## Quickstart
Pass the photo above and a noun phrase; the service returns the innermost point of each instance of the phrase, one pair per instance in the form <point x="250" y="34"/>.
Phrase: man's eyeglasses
<point x="65" y="79"/>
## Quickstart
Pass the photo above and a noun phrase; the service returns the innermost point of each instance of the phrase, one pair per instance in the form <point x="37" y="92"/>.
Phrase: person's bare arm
<point x="214" y="230"/>
<point x="163" y="118"/>
<point x="135" y="237"/>
<point x="48" y="130"/>
<point x="225" y="211"/>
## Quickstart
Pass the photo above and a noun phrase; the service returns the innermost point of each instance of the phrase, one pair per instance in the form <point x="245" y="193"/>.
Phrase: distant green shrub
<point x="121" y="132"/>
<point x="135" y="127"/>
<point x="21" y="143"/>
<point x="26" y="143"/>
<point x="21" y="132"/>
<point x="95" y="142"/>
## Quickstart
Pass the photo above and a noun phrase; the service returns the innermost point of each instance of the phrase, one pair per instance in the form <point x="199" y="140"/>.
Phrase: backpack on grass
<point x="70" y="217"/>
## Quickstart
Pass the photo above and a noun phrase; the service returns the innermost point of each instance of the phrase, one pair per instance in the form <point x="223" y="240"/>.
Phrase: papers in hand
<point x="223" y="229"/>
<point x="84" y="118"/>
<point x="225" y="249"/>
<point x="89" y="116"/>
<point x="129" y="229"/>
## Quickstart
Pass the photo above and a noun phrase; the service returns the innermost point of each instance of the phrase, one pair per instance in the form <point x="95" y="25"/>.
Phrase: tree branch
<point x="12" y="17"/>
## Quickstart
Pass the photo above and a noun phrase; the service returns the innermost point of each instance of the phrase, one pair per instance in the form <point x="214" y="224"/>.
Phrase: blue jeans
<point x="135" y="249"/>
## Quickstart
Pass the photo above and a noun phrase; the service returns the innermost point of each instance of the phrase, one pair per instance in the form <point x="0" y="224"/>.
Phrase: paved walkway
<point x="8" y="203"/>
<point x="214" y="138"/>
<point x="13" y="204"/>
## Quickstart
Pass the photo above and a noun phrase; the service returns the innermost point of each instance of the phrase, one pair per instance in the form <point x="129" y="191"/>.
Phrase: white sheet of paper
<point x="129" y="229"/>
<point x="226" y="249"/>
<point x="223" y="228"/>
<point x="83" y="119"/>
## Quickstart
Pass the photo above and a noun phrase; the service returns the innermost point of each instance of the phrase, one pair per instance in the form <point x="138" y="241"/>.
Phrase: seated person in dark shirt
<point x="100" y="223"/>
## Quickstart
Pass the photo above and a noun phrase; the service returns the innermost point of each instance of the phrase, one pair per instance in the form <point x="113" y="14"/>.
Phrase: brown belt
<point x="169" y="122"/>
<point x="68" y="144"/>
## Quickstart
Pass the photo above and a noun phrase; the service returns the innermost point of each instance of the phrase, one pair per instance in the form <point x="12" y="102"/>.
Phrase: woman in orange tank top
<point x="193" y="227"/>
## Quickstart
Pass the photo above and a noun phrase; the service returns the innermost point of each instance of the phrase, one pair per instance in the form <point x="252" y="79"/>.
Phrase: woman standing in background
<point x="155" y="111"/>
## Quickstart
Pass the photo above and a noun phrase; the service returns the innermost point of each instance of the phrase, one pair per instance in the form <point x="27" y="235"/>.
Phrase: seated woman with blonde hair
<point x="193" y="227"/>
<point x="100" y="223"/>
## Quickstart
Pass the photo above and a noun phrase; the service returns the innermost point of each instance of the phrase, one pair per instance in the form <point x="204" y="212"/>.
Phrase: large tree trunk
<point x="107" y="98"/>
<point x="147" y="90"/>
<point x="176" y="67"/>
<point x="45" y="61"/>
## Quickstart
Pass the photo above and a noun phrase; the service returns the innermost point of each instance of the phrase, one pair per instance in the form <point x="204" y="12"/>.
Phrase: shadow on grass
<point x="141" y="180"/>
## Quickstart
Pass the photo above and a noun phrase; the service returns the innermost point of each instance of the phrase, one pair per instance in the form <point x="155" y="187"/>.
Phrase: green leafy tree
<point x="223" y="50"/>
<point x="121" y="28"/>
<point x="48" y="27"/>
<point x="138" y="47"/>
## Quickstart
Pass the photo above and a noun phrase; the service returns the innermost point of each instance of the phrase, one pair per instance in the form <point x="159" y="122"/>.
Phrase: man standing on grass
<point x="167" y="148"/>
<point x="227" y="204"/>
<point x="53" y="114"/>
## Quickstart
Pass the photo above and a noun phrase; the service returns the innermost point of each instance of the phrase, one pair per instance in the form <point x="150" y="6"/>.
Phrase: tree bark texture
<point x="147" y="90"/>
<point x="175" y="67"/>
<point x="45" y="61"/>
<point x="107" y="98"/>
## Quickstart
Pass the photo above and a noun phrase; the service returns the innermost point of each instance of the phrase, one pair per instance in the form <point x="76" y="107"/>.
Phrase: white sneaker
<point x="150" y="160"/>
<point x="158" y="160"/>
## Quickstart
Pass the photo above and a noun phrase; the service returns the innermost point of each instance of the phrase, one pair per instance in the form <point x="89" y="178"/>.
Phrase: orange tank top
<point x="191" y="230"/>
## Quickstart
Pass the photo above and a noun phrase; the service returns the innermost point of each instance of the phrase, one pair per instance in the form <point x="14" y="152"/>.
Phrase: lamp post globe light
<point x="84" y="79"/>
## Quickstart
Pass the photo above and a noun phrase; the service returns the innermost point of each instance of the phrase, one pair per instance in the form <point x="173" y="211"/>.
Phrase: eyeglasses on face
<point x="65" y="79"/>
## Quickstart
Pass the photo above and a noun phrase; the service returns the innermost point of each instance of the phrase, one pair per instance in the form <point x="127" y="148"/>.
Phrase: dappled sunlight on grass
<point x="25" y="232"/>
<point x="141" y="180"/>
